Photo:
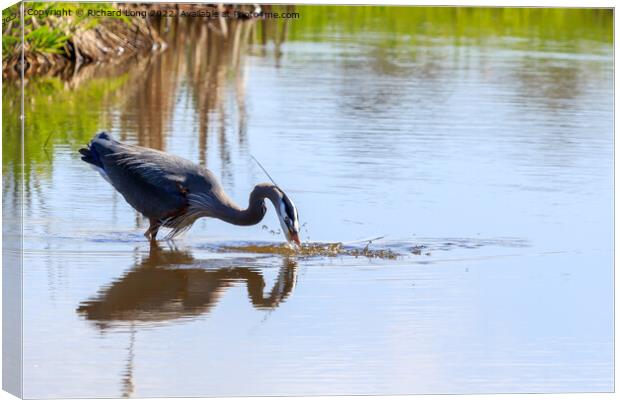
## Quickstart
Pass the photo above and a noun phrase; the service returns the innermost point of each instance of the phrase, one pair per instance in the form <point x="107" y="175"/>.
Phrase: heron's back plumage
<point x="161" y="186"/>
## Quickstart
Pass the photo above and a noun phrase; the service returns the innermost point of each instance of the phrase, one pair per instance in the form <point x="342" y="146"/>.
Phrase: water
<point x="455" y="190"/>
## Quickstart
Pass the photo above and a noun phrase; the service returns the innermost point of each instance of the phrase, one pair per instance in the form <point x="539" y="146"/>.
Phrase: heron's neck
<point x="255" y="211"/>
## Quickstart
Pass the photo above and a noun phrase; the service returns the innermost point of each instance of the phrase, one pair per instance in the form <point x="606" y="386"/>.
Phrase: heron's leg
<point x="151" y="233"/>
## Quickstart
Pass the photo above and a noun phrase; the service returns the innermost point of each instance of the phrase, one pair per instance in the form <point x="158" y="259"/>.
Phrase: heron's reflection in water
<point x="172" y="284"/>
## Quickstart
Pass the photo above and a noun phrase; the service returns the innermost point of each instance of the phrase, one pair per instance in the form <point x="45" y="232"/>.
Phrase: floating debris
<point x="312" y="250"/>
<point x="367" y="248"/>
<point x="417" y="249"/>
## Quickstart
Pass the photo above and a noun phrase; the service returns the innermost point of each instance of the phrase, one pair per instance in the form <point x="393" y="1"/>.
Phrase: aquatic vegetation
<point x="311" y="250"/>
<point x="387" y="250"/>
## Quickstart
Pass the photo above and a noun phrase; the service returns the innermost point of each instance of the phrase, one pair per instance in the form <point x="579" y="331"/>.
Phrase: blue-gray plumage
<point x="173" y="192"/>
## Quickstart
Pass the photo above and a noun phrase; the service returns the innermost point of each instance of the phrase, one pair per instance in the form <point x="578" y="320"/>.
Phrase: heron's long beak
<point x="295" y="238"/>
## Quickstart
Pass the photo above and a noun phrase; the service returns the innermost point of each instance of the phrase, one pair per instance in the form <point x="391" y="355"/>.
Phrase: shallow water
<point x="455" y="193"/>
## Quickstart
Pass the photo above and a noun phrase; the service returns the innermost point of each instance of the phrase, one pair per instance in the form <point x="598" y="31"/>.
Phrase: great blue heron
<point x="173" y="192"/>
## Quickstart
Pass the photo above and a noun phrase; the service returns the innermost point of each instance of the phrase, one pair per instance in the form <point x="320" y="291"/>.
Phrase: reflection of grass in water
<point x="54" y="115"/>
<point x="312" y="250"/>
<point x="455" y="22"/>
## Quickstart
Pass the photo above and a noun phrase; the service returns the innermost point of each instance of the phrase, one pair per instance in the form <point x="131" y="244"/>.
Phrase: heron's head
<point x="289" y="220"/>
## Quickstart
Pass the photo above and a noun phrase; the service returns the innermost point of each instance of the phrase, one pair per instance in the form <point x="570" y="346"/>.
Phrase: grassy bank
<point x="60" y="35"/>
<point x="44" y="30"/>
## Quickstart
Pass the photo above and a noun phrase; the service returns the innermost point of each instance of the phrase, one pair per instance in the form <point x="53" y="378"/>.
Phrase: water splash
<point x="311" y="250"/>
<point x="388" y="250"/>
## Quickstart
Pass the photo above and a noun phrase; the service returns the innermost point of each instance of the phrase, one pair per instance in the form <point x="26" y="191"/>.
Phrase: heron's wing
<point x="161" y="186"/>
<point x="154" y="167"/>
<point x="151" y="181"/>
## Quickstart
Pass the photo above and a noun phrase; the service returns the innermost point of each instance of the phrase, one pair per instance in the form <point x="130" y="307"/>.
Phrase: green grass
<point x="47" y="40"/>
<point x="49" y="33"/>
<point x="8" y="44"/>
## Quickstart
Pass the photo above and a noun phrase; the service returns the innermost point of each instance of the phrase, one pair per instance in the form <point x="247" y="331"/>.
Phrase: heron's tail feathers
<point x="93" y="157"/>
<point x="90" y="154"/>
